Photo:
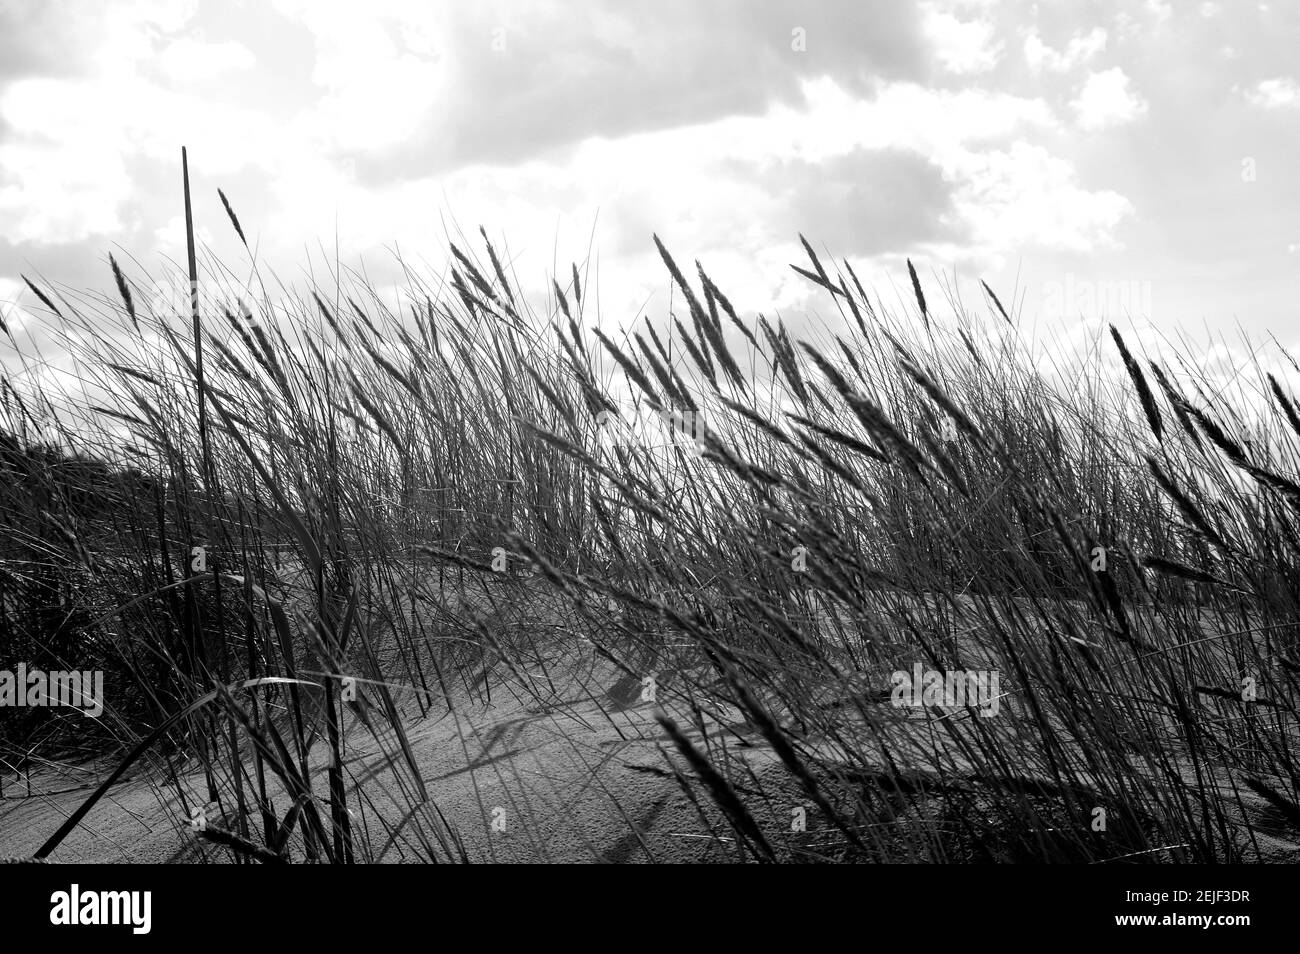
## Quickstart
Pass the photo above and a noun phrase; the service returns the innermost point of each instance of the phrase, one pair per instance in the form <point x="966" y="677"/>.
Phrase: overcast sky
<point x="1083" y="147"/>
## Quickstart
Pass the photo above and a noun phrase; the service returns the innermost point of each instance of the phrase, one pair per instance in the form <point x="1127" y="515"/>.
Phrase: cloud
<point x="49" y="193"/>
<point x="1024" y="196"/>
<point x="705" y="124"/>
<point x="189" y="60"/>
<point x="1279" y="93"/>
<point x="1160" y="10"/>
<point x="59" y="38"/>
<point x="1081" y="48"/>
<point x="907" y="168"/>
<point x="962" y="47"/>
<point x="81" y="144"/>
<point x="506" y="87"/>
<point x="81" y="147"/>
<point x="1106" y="100"/>
<point x="863" y="203"/>
<point x="408" y="108"/>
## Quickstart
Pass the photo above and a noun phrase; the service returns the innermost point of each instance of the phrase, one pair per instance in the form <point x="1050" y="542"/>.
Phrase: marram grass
<point x="410" y="514"/>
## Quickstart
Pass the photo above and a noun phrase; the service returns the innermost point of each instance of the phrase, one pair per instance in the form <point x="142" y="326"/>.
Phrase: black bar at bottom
<point x="217" y="904"/>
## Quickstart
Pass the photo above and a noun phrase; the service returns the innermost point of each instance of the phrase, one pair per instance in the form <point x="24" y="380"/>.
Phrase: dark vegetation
<point x="1122" y="550"/>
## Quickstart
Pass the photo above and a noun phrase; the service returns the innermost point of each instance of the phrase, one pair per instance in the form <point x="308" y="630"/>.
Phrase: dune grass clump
<point x="398" y="510"/>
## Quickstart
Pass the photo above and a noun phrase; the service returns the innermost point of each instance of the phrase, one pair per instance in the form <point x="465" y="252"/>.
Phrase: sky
<point x="1089" y="160"/>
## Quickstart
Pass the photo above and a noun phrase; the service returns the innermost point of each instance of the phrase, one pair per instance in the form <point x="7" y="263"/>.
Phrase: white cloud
<point x="1275" y="93"/>
<point x="1160" y="10"/>
<point x="67" y="157"/>
<point x="376" y="92"/>
<point x="935" y="123"/>
<point x="1024" y="195"/>
<point x="690" y="184"/>
<point x="78" y="154"/>
<point x="74" y="142"/>
<point x="130" y="32"/>
<point x="1106" y="100"/>
<point x="1081" y="48"/>
<point x="189" y="60"/>
<point x="58" y="193"/>
<point x="961" y="46"/>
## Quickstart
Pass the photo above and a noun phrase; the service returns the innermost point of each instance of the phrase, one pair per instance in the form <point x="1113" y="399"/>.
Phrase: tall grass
<point x="390" y="491"/>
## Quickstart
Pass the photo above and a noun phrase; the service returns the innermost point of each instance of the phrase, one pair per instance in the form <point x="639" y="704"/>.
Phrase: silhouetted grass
<point x="416" y="507"/>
